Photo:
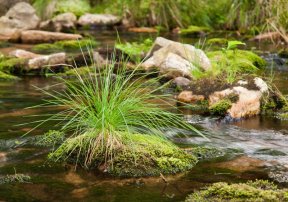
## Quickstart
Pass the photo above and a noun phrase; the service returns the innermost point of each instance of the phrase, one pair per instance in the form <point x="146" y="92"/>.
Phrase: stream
<point x="256" y="148"/>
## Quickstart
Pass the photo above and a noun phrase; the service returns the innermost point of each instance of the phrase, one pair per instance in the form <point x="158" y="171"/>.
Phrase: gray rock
<point x="21" y="16"/>
<point x="181" y="82"/>
<point x="60" y="22"/>
<point x="46" y="61"/>
<point x="169" y="55"/>
<point x="35" y="36"/>
<point x="98" y="19"/>
<point x="19" y="53"/>
<point x="5" y="5"/>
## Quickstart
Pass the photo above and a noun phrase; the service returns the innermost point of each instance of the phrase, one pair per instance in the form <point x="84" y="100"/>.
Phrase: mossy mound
<point x="139" y="155"/>
<point x="150" y="156"/>
<point x="81" y="71"/>
<point x="259" y="190"/>
<point x="9" y="66"/>
<point x="246" y="61"/>
<point x="16" y="178"/>
<point x="217" y="41"/>
<point x="221" y="107"/>
<point x="135" y="50"/>
<point x="191" y="30"/>
<point x="66" y="46"/>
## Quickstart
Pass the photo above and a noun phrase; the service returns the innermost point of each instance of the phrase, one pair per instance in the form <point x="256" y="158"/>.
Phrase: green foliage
<point x="233" y="63"/>
<point x="48" y="8"/>
<point x="259" y="190"/>
<point x="136" y="51"/>
<point x="234" y="44"/>
<point x="104" y="111"/>
<point x="78" y="7"/>
<point x="66" y="45"/>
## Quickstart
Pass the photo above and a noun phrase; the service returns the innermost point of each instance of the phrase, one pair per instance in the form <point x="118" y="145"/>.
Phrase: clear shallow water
<point x="256" y="146"/>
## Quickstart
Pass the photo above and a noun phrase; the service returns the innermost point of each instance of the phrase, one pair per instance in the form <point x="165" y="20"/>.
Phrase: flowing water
<point x="256" y="148"/>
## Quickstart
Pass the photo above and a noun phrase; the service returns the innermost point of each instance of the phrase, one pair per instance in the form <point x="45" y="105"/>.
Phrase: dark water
<point x="257" y="147"/>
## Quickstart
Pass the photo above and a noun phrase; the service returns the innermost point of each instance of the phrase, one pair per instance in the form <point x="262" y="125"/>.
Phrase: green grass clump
<point x="135" y="50"/>
<point x="105" y="117"/>
<point x="259" y="190"/>
<point x="66" y="45"/>
<point x="194" y="30"/>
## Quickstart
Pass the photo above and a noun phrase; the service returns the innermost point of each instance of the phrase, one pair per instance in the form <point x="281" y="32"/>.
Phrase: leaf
<point x="234" y="44"/>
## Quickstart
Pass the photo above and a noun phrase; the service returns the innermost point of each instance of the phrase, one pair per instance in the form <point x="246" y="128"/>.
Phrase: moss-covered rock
<point x="205" y="153"/>
<point x="66" y="45"/>
<point x="150" y="156"/>
<point x="221" y="107"/>
<point x="259" y="190"/>
<point x="139" y="155"/>
<point x="194" y="30"/>
<point x="81" y="71"/>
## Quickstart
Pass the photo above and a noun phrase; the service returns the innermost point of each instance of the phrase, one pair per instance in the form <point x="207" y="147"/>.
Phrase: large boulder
<point x="22" y="16"/>
<point x="62" y="22"/>
<point x="5" y="5"/>
<point x="35" y="36"/>
<point x="169" y="55"/>
<point x="98" y="20"/>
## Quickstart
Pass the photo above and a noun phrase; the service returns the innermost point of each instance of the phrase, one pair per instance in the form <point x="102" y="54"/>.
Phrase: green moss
<point x="135" y="50"/>
<point x="8" y="65"/>
<point x="4" y="76"/>
<point x="199" y="106"/>
<point x="194" y="30"/>
<point x="140" y="155"/>
<point x="259" y="190"/>
<point x="51" y="138"/>
<point x="4" y="44"/>
<point x="66" y="45"/>
<point x="221" y="107"/>
<point x="204" y="153"/>
<point x="16" y="178"/>
<point x="153" y="155"/>
<point x="220" y="41"/>
<point x="77" y="71"/>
